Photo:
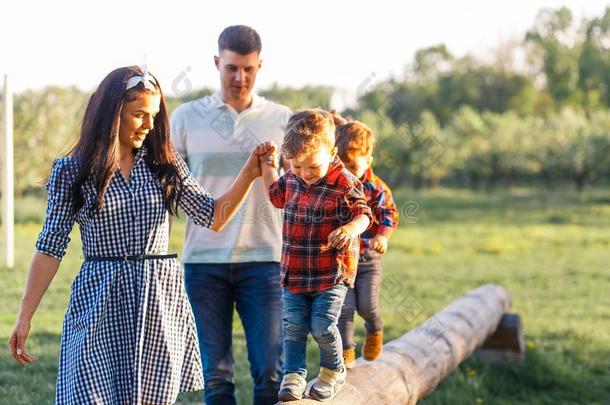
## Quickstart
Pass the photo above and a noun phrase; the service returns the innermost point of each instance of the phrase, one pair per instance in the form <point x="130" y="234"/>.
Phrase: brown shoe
<point x="349" y="358"/>
<point x="372" y="345"/>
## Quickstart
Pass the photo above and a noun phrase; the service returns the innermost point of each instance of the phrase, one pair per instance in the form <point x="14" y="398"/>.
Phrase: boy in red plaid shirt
<point x="325" y="212"/>
<point x="355" y="143"/>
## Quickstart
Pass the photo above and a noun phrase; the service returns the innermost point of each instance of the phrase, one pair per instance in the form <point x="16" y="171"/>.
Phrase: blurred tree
<point x="426" y="143"/>
<point x="173" y="102"/>
<point x="305" y="97"/>
<point x="594" y="63"/>
<point x="431" y="62"/>
<point x="457" y="120"/>
<point x="47" y="123"/>
<point x="554" y="43"/>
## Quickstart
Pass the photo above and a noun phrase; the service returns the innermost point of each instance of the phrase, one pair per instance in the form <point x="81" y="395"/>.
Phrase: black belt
<point x="129" y="258"/>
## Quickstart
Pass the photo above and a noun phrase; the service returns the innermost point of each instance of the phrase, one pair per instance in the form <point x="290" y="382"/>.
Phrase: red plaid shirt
<point x="311" y="213"/>
<point x="379" y="199"/>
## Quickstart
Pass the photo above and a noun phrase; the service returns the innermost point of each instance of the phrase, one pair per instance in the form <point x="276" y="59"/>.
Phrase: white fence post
<point x="8" y="184"/>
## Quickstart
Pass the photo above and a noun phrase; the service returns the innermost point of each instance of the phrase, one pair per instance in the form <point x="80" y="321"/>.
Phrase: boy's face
<point x="358" y="164"/>
<point x="313" y="166"/>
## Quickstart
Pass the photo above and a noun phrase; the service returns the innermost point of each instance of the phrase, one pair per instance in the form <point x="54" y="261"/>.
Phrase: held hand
<point x="270" y="160"/>
<point x="16" y="343"/>
<point x="342" y="237"/>
<point x="252" y="166"/>
<point x="267" y="154"/>
<point x="265" y="148"/>
<point x="380" y="244"/>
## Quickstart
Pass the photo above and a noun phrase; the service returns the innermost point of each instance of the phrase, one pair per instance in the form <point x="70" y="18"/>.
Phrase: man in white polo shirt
<point x="240" y="265"/>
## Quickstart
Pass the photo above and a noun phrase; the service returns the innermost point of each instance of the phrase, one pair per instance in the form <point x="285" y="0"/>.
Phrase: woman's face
<point x="137" y="119"/>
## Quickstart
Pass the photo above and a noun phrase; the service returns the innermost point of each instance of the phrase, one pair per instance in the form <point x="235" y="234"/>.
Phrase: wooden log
<point x="411" y="366"/>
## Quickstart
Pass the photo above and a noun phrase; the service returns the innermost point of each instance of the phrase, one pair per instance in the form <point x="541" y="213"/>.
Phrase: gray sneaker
<point x="328" y="383"/>
<point x="292" y="388"/>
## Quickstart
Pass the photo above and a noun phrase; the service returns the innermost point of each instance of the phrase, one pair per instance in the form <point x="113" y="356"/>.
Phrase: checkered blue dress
<point x="128" y="334"/>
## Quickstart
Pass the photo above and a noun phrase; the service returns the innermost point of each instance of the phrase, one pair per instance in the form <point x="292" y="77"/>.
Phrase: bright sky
<point x="64" y="42"/>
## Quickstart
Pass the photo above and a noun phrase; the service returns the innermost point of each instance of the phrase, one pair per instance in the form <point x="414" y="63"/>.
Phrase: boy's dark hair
<point x="241" y="39"/>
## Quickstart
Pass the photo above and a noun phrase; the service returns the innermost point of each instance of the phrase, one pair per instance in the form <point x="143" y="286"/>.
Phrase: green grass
<point x="551" y="249"/>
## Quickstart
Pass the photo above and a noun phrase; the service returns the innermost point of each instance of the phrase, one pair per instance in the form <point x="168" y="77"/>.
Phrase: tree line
<point x="536" y="111"/>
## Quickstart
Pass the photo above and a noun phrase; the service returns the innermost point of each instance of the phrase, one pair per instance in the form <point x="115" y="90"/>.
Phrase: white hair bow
<point x="149" y="82"/>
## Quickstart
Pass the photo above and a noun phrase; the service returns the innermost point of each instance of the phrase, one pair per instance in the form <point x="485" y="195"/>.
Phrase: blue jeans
<point x="254" y="289"/>
<point x="318" y="313"/>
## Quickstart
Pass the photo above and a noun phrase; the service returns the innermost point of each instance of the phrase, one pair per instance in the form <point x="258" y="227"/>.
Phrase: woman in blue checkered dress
<point x="128" y="333"/>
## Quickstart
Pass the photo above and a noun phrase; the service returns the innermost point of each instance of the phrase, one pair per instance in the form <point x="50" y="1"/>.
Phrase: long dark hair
<point x="97" y="148"/>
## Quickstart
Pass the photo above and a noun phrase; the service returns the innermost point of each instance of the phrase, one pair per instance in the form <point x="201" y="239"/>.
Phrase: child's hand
<point x="380" y="244"/>
<point x="342" y="237"/>
<point x="264" y="151"/>
<point x="265" y="148"/>
<point x="267" y="154"/>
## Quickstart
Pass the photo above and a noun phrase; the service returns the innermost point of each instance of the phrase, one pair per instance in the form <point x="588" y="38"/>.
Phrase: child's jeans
<point x="318" y="313"/>
<point x="364" y="298"/>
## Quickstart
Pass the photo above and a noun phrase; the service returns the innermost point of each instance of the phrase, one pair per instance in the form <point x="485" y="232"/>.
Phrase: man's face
<point x="237" y="74"/>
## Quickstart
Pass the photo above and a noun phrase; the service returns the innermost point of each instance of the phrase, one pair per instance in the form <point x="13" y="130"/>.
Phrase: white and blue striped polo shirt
<point x="216" y="141"/>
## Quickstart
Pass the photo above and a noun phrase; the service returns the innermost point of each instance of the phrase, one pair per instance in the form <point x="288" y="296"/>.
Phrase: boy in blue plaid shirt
<point x="355" y="143"/>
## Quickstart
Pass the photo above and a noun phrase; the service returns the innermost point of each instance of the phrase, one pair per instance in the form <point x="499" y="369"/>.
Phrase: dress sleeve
<point x="61" y="214"/>
<point x="277" y="192"/>
<point x="197" y="203"/>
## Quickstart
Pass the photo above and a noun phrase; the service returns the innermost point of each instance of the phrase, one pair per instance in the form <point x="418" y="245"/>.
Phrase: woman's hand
<point x="252" y="167"/>
<point x="268" y="162"/>
<point x="42" y="271"/>
<point x="17" y="342"/>
<point x="228" y="203"/>
<point x="264" y="153"/>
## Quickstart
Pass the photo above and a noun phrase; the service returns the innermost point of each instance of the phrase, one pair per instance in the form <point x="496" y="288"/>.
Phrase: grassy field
<point x="551" y="249"/>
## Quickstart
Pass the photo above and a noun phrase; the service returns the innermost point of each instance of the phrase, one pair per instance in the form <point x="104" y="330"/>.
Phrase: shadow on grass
<point x="34" y="383"/>
<point x="548" y="375"/>
<point x="566" y="368"/>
